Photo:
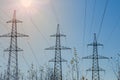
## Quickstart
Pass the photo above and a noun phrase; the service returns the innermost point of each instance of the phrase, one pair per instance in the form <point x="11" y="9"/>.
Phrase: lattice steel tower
<point x="58" y="60"/>
<point x="12" y="67"/>
<point x="118" y="68"/>
<point x="75" y="66"/>
<point x="95" y="59"/>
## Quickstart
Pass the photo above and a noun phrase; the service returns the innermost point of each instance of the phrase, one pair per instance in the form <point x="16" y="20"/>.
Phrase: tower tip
<point x="94" y="34"/>
<point x="58" y="25"/>
<point x="14" y="11"/>
<point x="58" y="29"/>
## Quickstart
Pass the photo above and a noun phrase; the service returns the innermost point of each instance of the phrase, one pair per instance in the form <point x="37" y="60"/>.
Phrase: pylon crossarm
<point x="58" y="35"/>
<point x="8" y="49"/>
<point x="50" y="48"/>
<point x="94" y="44"/>
<point x="88" y="57"/>
<point x="53" y="60"/>
<point x="21" y="35"/>
<point x="98" y="44"/>
<point x="65" y="48"/>
<point x="90" y="69"/>
<point x="102" y="57"/>
<point x="6" y="35"/>
<point x="18" y="35"/>
<point x="60" y="48"/>
<point x="101" y="69"/>
<point x="14" y="21"/>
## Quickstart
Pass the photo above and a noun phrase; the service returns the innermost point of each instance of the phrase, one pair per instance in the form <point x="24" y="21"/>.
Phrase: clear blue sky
<point x="40" y="20"/>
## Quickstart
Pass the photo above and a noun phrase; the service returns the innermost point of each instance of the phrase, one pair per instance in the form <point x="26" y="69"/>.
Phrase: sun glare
<point x="26" y="3"/>
<point x="33" y="6"/>
<point x="29" y="3"/>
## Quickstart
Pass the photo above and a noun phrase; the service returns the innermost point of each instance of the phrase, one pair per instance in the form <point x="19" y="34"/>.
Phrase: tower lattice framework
<point x="58" y="60"/>
<point x="95" y="59"/>
<point x="12" y="67"/>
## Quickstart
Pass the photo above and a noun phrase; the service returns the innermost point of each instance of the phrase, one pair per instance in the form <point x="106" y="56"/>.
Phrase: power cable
<point x="36" y="27"/>
<point x="2" y="10"/>
<point x="25" y="61"/>
<point x="54" y="11"/>
<point x="33" y="53"/>
<point x="113" y="30"/>
<point x="84" y="29"/>
<point x="112" y="67"/>
<point x="93" y="16"/>
<point x="103" y="16"/>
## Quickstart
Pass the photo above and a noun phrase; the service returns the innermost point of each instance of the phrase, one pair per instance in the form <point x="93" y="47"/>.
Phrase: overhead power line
<point x="113" y="30"/>
<point x="84" y="28"/>
<point x="33" y="53"/>
<point x="103" y="16"/>
<point x="93" y="16"/>
<point x="26" y="62"/>
<point x="36" y="27"/>
<point x="54" y="11"/>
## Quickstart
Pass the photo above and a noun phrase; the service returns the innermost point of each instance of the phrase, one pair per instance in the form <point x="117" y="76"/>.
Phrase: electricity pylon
<point x="95" y="59"/>
<point x="58" y="60"/>
<point x="12" y="67"/>
<point x="75" y="66"/>
<point x="118" y="68"/>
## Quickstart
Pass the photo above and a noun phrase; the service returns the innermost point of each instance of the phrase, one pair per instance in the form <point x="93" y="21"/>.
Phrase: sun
<point x="32" y="6"/>
<point x="26" y="3"/>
